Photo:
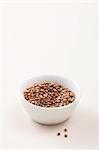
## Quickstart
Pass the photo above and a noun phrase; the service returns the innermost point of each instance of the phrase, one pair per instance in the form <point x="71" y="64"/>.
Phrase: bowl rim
<point x="49" y="108"/>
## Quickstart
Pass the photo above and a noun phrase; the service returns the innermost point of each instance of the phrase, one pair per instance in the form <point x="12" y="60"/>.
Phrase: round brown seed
<point x="58" y="134"/>
<point x="65" y="130"/>
<point x="65" y="135"/>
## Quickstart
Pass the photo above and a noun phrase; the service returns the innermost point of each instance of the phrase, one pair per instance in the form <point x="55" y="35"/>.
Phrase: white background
<point x="48" y="38"/>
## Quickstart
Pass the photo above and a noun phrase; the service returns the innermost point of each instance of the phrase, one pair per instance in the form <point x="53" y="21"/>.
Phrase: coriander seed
<point x="58" y="134"/>
<point x="65" y="135"/>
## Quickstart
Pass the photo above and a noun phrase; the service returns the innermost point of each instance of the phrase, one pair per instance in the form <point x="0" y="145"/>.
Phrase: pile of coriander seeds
<point x="49" y="94"/>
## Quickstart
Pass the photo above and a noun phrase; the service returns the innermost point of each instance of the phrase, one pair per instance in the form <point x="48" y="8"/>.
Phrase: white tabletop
<point x="51" y="38"/>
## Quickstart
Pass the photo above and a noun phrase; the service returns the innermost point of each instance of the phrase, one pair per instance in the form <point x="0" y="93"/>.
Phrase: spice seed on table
<point x="65" y="135"/>
<point x="58" y="134"/>
<point x="65" y="130"/>
<point x="48" y="94"/>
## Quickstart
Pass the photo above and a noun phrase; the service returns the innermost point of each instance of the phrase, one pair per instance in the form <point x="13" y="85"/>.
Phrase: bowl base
<point x="51" y="124"/>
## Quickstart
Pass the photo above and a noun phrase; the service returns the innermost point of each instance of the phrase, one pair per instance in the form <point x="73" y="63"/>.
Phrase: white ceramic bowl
<point x="50" y="115"/>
